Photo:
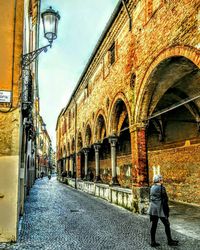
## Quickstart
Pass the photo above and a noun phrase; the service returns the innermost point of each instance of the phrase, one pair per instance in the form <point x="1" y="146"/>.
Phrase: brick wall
<point x="180" y="168"/>
<point x="160" y="30"/>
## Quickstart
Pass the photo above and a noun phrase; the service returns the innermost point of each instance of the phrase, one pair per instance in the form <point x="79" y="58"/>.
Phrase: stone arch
<point x="145" y="90"/>
<point x="100" y="128"/>
<point x="116" y="122"/>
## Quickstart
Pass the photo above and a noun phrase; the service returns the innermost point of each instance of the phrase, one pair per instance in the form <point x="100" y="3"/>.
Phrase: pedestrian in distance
<point x="49" y="176"/>
<point x="159" y="209"/>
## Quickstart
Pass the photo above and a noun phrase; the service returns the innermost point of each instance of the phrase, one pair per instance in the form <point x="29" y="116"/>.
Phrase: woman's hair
<point x="157" y="178"/>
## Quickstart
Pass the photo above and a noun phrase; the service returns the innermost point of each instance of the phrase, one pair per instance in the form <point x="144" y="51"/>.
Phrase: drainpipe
<point x="13" y="52"/>
<point x="129" y="16"/>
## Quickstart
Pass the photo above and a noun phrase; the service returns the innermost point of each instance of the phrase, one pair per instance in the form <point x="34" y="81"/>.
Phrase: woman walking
<point x="159" y="209"/>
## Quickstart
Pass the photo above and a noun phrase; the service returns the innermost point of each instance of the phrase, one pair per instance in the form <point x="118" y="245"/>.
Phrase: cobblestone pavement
<point x="58" y="217"/>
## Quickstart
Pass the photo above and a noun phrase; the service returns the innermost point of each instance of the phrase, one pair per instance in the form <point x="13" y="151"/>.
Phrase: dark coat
<point x="158" y="201"/>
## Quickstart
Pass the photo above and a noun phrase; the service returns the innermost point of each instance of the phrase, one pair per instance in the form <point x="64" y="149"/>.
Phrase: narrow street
<point x="58" y="217"/>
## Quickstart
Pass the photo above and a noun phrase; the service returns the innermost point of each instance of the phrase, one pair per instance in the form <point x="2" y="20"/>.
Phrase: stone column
<point x="64" y="164"/>
<point x="71" y="166"/>
<point x="140" y="168"/>
<point x="68" y="166"/>
<point x="86" y="151"/>
<point x="74" y="165"/>
<point x="97" y="162"/>
<point x="113" y="142"/>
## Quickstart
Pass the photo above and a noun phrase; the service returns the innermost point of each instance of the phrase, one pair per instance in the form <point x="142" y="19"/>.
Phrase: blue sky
<point x="80" y="26"/>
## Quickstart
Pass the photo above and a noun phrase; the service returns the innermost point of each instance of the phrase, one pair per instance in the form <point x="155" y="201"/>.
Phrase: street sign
<point x="5" y="96"/>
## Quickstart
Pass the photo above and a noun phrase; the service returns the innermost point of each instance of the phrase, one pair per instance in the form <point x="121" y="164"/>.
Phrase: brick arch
<point x="188" y="52"/>
<point x="121" y="120"/>
<point x="100" y="112"/>
<point x="118" y="96"/>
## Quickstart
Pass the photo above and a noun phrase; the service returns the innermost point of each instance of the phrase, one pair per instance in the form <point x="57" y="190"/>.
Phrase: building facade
<point x="44" y="150"/>
<point x="135" y="109"/>
<point x="19" y="26"/>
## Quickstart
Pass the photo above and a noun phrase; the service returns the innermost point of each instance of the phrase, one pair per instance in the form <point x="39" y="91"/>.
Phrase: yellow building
<point x="44" y="149"/>
<point x="19" y="27"/>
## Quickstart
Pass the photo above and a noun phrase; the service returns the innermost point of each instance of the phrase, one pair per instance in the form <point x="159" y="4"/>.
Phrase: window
<point x="112" y="53"/>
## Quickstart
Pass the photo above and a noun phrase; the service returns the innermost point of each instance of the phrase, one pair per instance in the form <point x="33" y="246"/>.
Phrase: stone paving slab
<point x="186" y="219"/>
<point x="58" y="217"/>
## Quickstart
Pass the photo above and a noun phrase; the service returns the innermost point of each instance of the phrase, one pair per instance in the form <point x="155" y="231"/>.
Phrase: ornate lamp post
<point x="50" y="20"/>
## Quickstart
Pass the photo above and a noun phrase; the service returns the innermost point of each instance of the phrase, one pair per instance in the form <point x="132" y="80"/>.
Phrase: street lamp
<point x="50" y="20"/>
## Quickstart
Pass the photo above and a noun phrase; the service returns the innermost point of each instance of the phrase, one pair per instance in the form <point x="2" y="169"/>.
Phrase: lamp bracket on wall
<point x="28" y="58"/>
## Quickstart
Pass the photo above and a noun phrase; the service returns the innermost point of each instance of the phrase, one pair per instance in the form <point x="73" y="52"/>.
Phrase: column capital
<point x="97" y="146"/>
<point x="85" y="150"/>
<point x="78" y="153"/>
<point x="113" y="140"/>
<point x="137" y="126"/>
<point x="71" y="156"/>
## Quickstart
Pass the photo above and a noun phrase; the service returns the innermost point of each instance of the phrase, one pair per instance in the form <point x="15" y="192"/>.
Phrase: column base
<point x="140" y="199"/>
<point x="69" y="175"/>
<point x="114" y="181"/>
<point x="97" y="179"/>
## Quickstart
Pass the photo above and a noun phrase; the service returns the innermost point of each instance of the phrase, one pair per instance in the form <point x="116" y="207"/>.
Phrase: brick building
<point x="135" y="109"/>
<point x="44" y="149"/>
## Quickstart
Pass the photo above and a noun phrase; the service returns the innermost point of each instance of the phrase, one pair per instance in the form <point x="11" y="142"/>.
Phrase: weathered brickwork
<point x="181" y="170"/>
<point x="9" y="133"/>
<point x="156" y="65"/>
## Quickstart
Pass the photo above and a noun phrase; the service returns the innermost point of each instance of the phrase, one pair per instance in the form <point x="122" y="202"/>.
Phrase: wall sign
<point x="5" y="96"/>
